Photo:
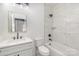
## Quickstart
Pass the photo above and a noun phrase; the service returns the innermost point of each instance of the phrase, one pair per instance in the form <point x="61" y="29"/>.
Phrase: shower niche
<point x="17" y="22"/>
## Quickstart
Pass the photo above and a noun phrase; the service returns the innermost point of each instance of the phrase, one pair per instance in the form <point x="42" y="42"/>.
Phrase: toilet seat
<point x="43" y="50"/>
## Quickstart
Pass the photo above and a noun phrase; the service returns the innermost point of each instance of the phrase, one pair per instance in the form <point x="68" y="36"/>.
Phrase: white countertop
<point x="7" y="43"/>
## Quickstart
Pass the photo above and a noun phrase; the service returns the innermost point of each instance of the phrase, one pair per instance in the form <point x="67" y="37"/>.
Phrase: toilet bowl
<point x="40" y="48"/>
<point x="43" y="50"/>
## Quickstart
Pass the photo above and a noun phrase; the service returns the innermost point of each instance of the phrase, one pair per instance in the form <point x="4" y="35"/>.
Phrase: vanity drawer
<point x="14" y="54"/>
<point x="15" y="48"/>
<point x="24" y="46"/>
<point x="26" y="52"/>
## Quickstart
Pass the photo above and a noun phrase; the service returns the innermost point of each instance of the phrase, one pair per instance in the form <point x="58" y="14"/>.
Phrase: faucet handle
<point x="14" y="38"/>
<point x="20" y="37"/>
<point x="49" y="35"/>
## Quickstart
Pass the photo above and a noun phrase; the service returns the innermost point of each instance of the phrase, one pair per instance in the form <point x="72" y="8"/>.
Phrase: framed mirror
<point x="17" y="22"/>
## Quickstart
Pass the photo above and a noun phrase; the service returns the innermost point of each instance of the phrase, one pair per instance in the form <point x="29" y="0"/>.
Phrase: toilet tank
<point x="39" y="41"/>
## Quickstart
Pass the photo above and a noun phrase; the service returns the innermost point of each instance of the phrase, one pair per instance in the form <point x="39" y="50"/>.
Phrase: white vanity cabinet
<point x="22" y="53"/>
<point x="23" y="49"/>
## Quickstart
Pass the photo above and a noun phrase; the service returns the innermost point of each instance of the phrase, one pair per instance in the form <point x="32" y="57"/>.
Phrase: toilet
<point x="41" y="50"/>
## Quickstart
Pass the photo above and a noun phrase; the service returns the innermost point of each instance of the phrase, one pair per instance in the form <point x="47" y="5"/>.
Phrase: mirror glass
<point x="17" y="22"/>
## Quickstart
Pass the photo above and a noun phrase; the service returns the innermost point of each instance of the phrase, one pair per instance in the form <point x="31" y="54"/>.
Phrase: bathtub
<point x="58" y="49"/>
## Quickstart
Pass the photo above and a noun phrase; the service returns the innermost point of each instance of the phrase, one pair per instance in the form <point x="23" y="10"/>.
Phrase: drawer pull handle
<point x="18" y="55"/>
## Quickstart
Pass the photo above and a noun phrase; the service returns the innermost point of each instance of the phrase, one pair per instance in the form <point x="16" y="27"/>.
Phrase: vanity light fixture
<point x="23" y="4"/>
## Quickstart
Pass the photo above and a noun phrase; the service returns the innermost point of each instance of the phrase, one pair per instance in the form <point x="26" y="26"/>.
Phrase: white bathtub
<point x="57" y="49"/>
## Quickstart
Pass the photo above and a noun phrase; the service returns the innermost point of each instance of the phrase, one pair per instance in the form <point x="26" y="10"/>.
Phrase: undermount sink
<point x="14" y="42"/>
<point x="18" y="41"/>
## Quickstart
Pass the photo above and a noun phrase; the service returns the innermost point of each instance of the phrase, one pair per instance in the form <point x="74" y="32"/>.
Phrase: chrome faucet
<point x="17" y="35"/>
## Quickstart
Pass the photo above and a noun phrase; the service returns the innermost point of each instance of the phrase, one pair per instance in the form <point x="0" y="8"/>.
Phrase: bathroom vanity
<point x="20" y="47"/>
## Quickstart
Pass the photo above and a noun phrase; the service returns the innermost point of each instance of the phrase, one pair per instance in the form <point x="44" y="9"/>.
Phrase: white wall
<point x="66" y="21"/>
<point x="35" y="20"/>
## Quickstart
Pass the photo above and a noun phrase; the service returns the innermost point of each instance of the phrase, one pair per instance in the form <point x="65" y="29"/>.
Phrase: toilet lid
<point x="43" y="49"/>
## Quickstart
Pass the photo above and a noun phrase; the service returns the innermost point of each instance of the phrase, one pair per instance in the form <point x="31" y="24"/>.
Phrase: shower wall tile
<point x="66" y="21"/>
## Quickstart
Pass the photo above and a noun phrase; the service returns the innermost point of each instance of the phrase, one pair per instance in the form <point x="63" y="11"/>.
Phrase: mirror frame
<point x="10" y="17"/>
